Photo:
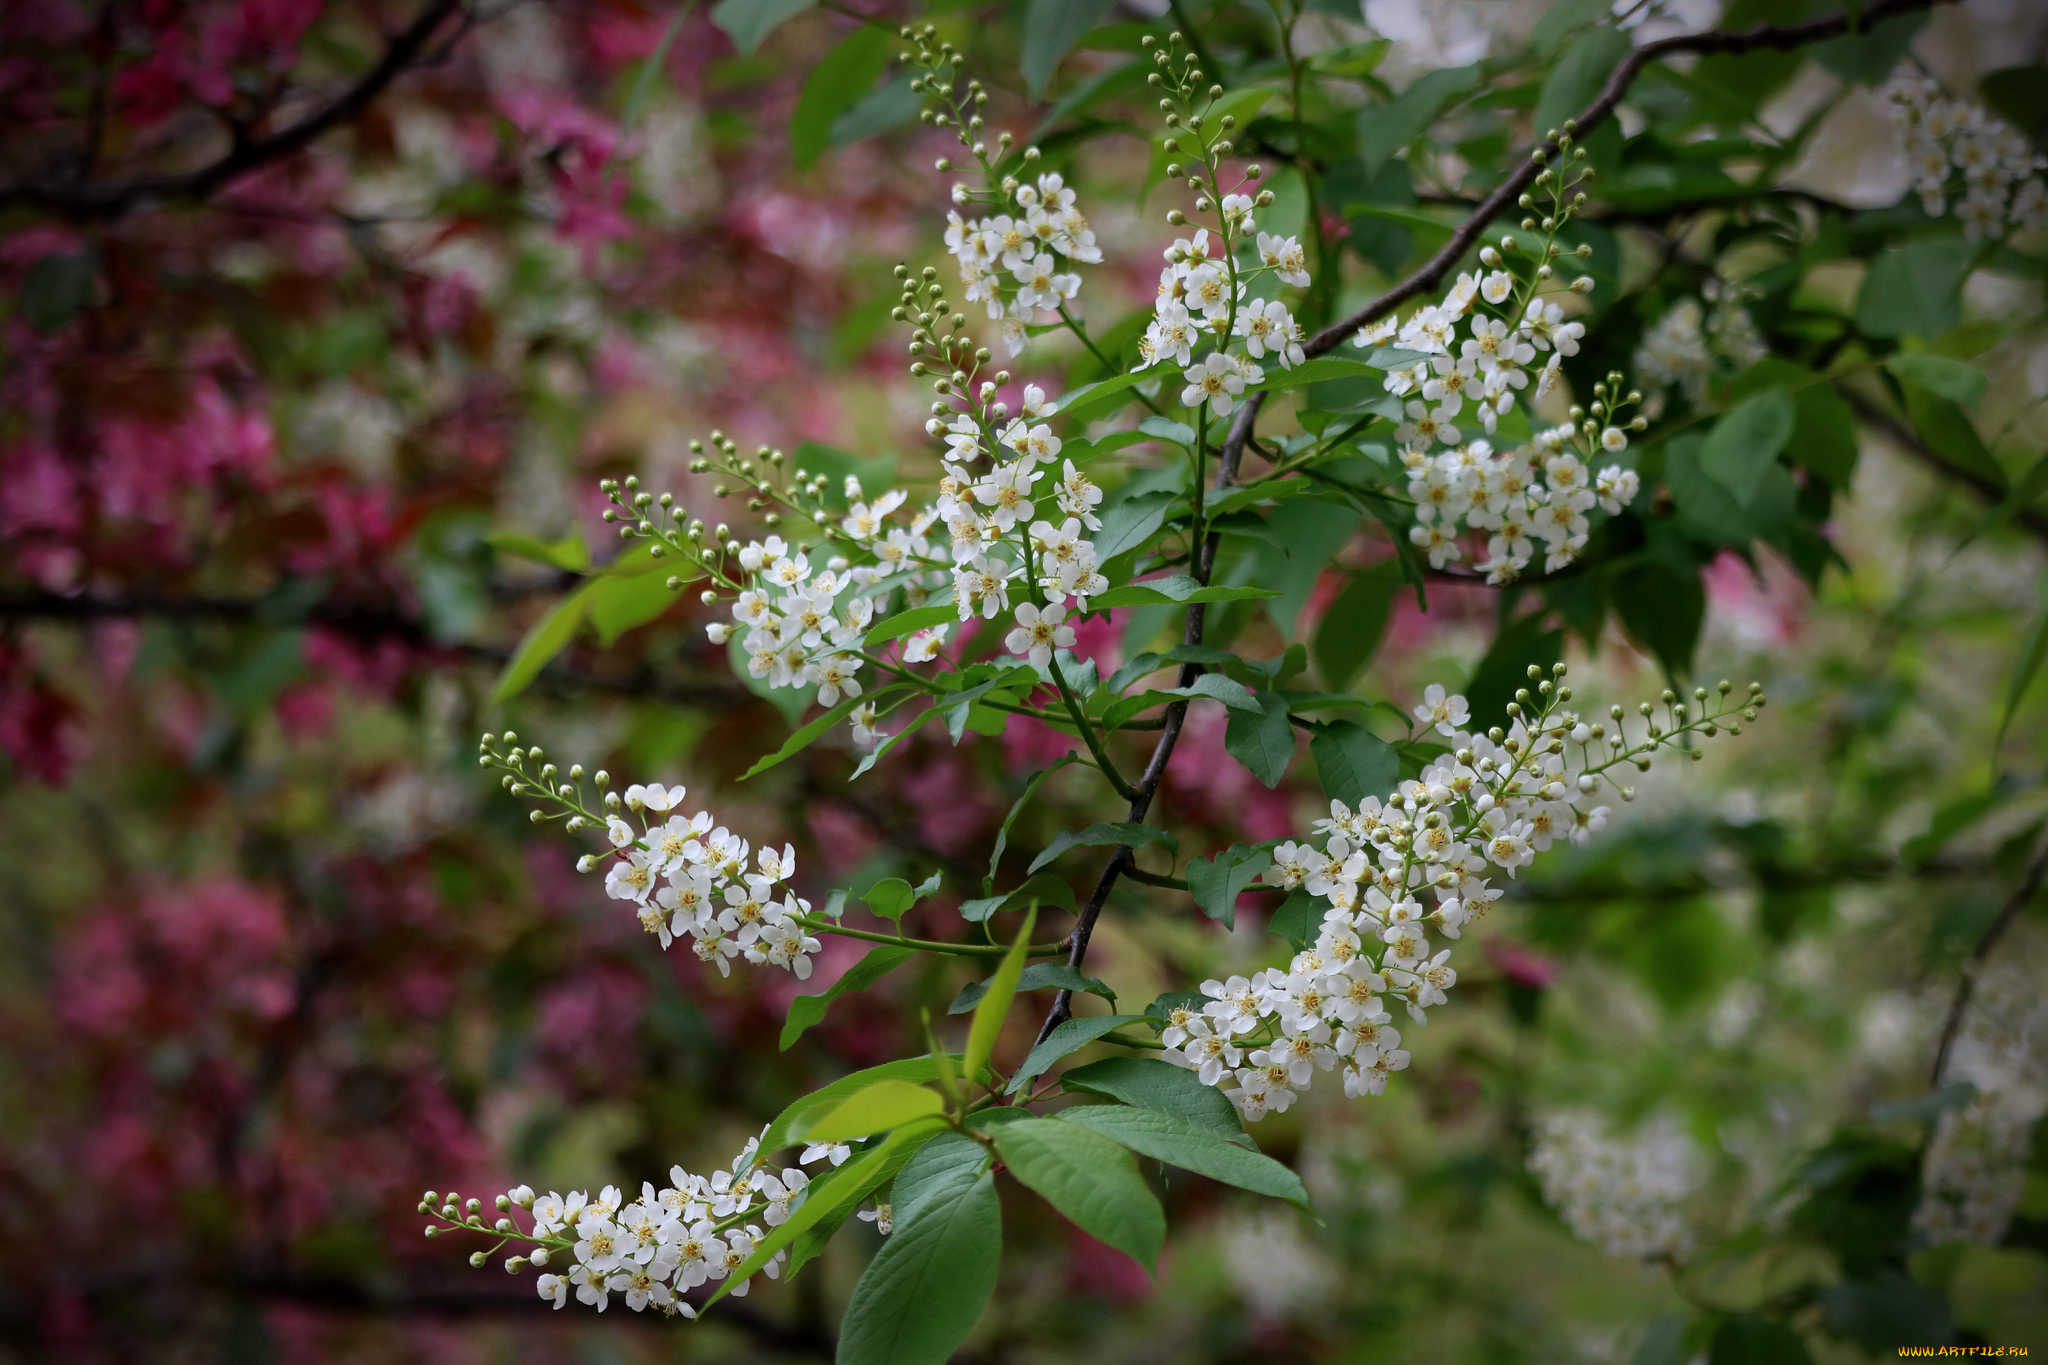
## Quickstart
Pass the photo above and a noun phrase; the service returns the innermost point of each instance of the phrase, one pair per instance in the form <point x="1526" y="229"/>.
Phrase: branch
<point x="1422" y="281"/>
<point x="2022" y="894"/>
<point x="1909" y="440"/>
<point x="1599" y="111"/>
<point x="112" y="198"/>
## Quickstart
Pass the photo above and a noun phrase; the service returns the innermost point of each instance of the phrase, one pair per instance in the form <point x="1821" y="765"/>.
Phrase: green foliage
<point x="927" y="1286"/>
<point x="1090" y="1179"/>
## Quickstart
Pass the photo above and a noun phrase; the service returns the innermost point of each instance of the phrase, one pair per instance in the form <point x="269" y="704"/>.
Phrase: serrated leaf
<point x="1131" y="522"/>
<point x="806" y="1011"/>
<point x="1071" y="1036"/>
<point x="1353" y="763"/>
<point x="1263" y="741"/>
<point x="1177" y="590"/>
<point x="1152" y="1084"/>
<point x="2025" y="668"/>
<point x="547" y="637"/>
<point x="906" y="622"/>
<point x="1351" y="629"/>
<point x="1914" y="289"/>
<point x="1052" y="28"/>
<point x="810" y="1213"/>
<point x="1745" y="442"/>
<point x="1090" y="1179"/>
<point x="1043" y="887"/>
<point x="1299" y="917"/>
<point x="1102" y="836"/>
<point x="835" y="85"/>
<point x="1216" y="883"/>
<point x="1002" y="989"/>
<point x="809" y="733"/>
<point x="780" y="1132"/>
<point x="1385" y="130"/>
<point x="995" y="856"/>
<point x="1179" y="1143"/>
<point x="1039" y="976"/>
<point x="881" y="1107"/>
<point x="1577" y="76"/>
<point x="934" y="1275"/>
<point x="749" y="22"/>
<point x="1958" y="381"/>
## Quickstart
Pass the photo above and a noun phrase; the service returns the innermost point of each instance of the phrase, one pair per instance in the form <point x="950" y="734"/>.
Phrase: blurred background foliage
<point x="299" y="446"/>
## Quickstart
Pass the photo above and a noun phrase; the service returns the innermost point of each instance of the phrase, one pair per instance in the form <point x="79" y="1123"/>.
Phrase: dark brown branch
<point x="112" y="198"/>
<point x="1425" y="279"/>
<point x="2022" y="895"/>
<point x="1505" y="195"/>
<point x="1909" y="440"/>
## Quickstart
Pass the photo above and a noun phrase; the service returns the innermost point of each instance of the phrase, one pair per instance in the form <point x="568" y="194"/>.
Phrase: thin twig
<point x="2021" y="896"/>
<point x="112" y="198"/>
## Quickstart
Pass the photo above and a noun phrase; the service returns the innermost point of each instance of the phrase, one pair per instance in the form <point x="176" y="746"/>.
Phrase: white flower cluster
<point x="1492" y="803"/>
<point x="1681" y="349"/>
<point x="1624" y="1195"/>
<point x="652" y="1251"/>
<point x="1010" y="261"/>
<point x="1207" y="305"/>
<point x="804" y="622"/>
<point x="1953" y="145"/>
<point x="1976" y="1166"/>
<point x="688" y="877"/>
<point x="1522" y="495"/>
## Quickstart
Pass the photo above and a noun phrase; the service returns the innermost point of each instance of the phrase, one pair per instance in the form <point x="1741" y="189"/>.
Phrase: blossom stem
<point x="819" y="924"/>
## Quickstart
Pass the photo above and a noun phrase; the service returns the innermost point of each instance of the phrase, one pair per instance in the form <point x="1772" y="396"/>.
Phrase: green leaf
<point x="1093" y="401"/>
<point x="1161" y="1086"/>
<point x="1386" y="130"/>
<point x="749" y="22"/>
<point x="1175" y="590"/>
<point x="548" y="637"/>
<point x="1090" y="1179"/>
<point x="1561" y="20"/>
<point x="1745" y="442"/>
<point x="1914" y="289"/>
<point x="2024" y="669"/>
<point x="934" y="1275"/>
<point x="1039" y="976"/>
<point x="1578" y="75"/>
<point x="2026" y="491"/>
<point x="1052" y="28"/>
<point x="1950" y="434"/>
<point x="840" y="1197"/>
<point x="877" y="1108"/>
<point x="1299" y="917"/>
<point x="1071" y="1036"/>
<point x="939" y="1165"/>
<point x="1662" y="611"/>
<point x="1263" y="741"/>
<point x="1102" y="835"/>
<point x="1867" y="57"/>
<point x="906" y="622"/>
<point x="781" y="1132"/>
<point x="1351" y="629"/>
<point x="1023" y="798"/>
<point x="1213" y="686"/>
<point x="1747" y="1340"/>
<point x="621" y="603"/>
<point x="889" y="107"/>
<point x="568" y="553"/>
<point x="865" y="1167"/>
<point x="835" y="85"/>
<point x="55" y="290"/>
<point x="1044" y="888"/>
<point x="1957" y="381"/>
<point x="1505" y="668"/>
<point x="806" y="1011"/>
<point x="1216" y="883"/>
<point x="1321" y="369"/>
<point x="1002" y="989"/>
<point x="807" y="735"/>
<point x="1353" y="763"/>
<point x="1179" y="1143"/>
<point x="1887" y="1311"/>
<point x="890" y="897"/>
<point x="1131" y="522"/>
